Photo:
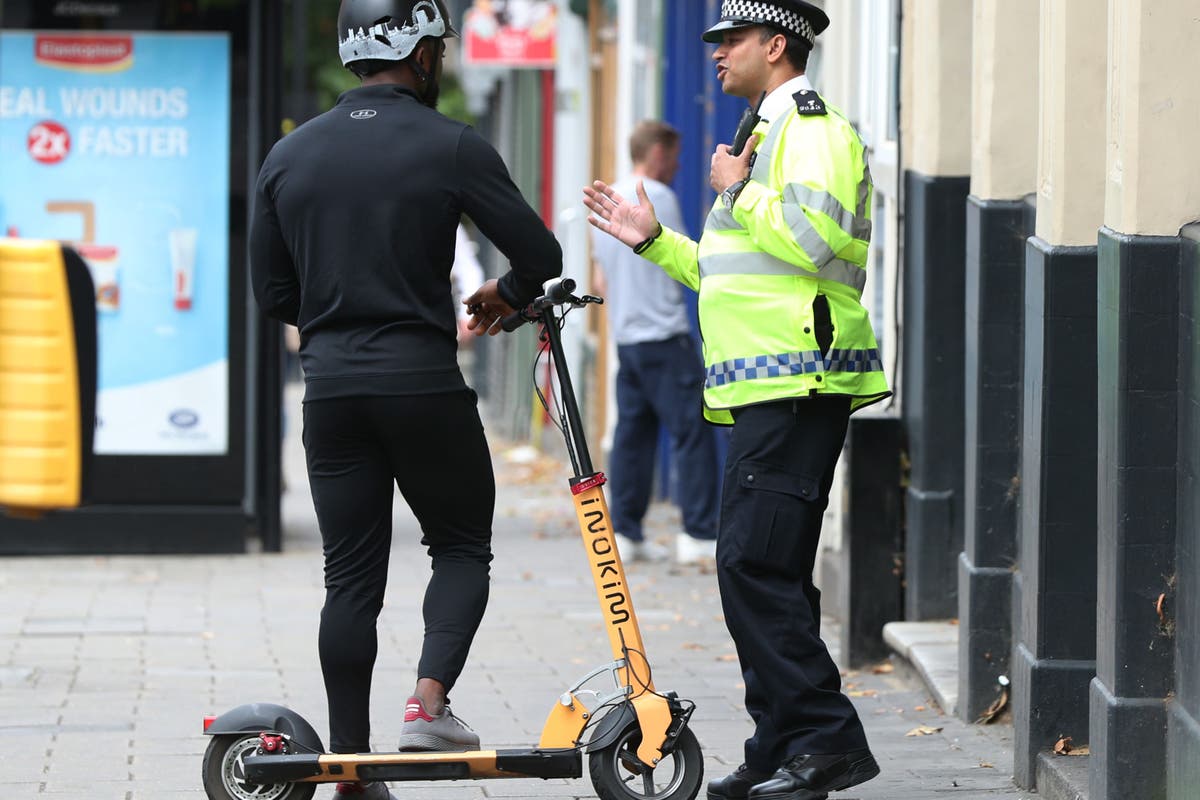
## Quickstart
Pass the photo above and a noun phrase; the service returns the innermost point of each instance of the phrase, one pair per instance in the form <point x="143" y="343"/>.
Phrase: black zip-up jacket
<point x="352" y="240"/>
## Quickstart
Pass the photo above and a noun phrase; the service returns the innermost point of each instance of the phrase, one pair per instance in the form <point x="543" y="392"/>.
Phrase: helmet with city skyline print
<point x="374" y="36"/>
<point x="388" y="30"/>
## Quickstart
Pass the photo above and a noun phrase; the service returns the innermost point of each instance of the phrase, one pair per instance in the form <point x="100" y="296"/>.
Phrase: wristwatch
<point x="730" y="195"/>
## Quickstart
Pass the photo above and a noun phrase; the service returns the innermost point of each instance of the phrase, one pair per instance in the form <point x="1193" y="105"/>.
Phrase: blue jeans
<point x="660" y="383"/>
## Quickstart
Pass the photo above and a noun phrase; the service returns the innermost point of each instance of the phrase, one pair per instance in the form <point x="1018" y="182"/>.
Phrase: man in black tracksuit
<point x="352" y="241"/>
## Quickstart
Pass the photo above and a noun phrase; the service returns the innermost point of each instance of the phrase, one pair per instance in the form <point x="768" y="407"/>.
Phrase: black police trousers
<point x="777" y="479"/>
<point x="433" y="448"/>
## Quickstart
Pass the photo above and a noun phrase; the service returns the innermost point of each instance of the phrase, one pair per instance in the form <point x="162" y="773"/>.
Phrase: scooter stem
<point x="608" y="573"/>
<point x="581" y="459"/>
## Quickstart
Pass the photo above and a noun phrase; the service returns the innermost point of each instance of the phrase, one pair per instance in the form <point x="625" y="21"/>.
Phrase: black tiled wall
<point x="932" y="390"/>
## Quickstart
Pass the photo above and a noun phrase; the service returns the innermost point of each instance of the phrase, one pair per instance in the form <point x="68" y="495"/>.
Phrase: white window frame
<point x="639" y="71"/>
<point x="877" y="122"/>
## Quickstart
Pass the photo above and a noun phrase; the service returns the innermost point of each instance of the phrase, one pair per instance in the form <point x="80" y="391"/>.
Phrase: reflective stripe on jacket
<point x="781" y="277"/>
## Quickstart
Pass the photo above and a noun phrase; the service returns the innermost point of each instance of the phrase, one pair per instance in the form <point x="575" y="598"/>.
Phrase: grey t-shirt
<point x="644" y="305"/>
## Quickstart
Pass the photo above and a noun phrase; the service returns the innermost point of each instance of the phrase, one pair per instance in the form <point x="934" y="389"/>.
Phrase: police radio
<point x="745" y="127"/>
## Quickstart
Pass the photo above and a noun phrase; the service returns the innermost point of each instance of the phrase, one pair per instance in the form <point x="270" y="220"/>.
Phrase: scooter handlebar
<point x="513" y="321"/>
<point x="556" y="292"/>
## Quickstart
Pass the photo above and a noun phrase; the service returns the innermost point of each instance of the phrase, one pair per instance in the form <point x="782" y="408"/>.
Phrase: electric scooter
<point x="637" y="739"/>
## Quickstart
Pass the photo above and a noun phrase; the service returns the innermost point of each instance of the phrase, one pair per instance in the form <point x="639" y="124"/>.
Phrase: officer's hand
<point x="616" y="216"/>
<point x="487" y="308"/>
<point x="728" y="169"/>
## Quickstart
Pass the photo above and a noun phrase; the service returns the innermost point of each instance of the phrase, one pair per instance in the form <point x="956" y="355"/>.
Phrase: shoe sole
<point x="860" y="772"/>
<point x="717" y="796"/>
<point x="424" y="742"/>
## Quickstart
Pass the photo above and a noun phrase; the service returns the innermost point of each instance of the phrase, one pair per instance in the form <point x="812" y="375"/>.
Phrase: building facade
<point x="1034" y="292"/>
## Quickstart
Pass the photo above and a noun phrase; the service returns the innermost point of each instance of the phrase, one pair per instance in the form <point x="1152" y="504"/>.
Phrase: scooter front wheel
<point x="618" y="774"/>
<point x="225" y="772"/>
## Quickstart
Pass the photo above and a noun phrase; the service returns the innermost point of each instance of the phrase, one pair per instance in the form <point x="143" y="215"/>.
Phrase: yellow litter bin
<point x="47" y="375"/>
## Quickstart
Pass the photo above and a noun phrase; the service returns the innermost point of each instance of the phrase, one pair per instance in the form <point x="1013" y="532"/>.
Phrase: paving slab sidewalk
<point x="108" y="664"/>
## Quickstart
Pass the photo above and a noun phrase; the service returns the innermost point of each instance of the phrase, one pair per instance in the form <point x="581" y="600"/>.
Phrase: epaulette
<point x="809" y="103"/>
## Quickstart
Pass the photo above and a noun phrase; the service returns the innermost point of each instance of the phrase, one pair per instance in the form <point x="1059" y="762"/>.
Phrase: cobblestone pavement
<point x="107" y="665"/>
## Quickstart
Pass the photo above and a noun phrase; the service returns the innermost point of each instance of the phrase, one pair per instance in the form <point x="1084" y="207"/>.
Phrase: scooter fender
<point x="609" y="728"/>
<point x="267" y="717"/>
<point x="650" y="712"/>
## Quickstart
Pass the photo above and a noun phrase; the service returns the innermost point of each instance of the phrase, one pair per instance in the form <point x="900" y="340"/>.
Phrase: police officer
<point x="789" y="354"/>
<point x="352" y="240"/>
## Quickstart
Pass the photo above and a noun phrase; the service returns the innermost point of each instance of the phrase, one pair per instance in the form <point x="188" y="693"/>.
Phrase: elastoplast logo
<point x="48" y="142"/>
<point x="362" y="113"/>
<point x="84" y="53"/>
<point x="184" y="418"/>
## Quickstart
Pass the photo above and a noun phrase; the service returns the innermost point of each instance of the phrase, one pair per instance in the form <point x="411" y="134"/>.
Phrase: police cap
<point x="792" y="17"/>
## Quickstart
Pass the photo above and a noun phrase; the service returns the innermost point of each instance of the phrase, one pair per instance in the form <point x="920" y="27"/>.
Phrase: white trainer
<point x="445" y="732"/>
<point x="644" y="550"/>
<point x="690" y="550"/>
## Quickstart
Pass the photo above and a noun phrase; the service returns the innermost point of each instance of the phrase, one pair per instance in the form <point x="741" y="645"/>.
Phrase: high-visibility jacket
<point x="799" y="232"/>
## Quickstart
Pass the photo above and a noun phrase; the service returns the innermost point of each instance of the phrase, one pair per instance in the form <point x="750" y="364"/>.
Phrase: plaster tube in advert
<point x="102" y="263"/>
<point x="183" y="265"/>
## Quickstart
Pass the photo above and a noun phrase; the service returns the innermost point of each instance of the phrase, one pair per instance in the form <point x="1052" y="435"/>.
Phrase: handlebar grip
<point x="513" y="321"/>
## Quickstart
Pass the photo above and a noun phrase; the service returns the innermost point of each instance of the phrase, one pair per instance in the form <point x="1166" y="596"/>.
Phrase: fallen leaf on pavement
<point x="923" y="730"/>
<point x="987" y="765"/>
<point x="884" y="669"/>
<point x="918" y="708"/>
<point x="994" y="709"/>
<point x="693" y="646"/>
<point x="727" y="657"/>
<point x="1063" y="746"/>
<point x="863" y="693"/>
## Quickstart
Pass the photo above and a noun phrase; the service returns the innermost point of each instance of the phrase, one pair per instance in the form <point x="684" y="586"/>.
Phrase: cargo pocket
<point x="770" y="514"/>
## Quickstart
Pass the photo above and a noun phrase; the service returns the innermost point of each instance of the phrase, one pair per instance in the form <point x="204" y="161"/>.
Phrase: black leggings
<point x="433" y="447"/>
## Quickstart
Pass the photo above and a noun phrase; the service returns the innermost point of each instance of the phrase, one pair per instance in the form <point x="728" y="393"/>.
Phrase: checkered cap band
<point x="761" y="13"/>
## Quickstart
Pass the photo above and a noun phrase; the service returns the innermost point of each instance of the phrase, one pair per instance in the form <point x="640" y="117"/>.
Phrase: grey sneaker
<point x="421" y="731"/>
<point x="373" y="790"/>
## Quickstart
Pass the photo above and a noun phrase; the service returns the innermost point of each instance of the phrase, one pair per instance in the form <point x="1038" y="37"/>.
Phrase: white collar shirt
<point x="777" y="102"/>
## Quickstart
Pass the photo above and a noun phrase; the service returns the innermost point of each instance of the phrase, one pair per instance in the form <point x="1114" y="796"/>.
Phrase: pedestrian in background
<point x="352" y="240"/>
<point x="789" y="353"/>
<point x="660" y="375"/>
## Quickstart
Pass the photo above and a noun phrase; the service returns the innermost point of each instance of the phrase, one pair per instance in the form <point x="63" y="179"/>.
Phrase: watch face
<point x="729" y="196"/>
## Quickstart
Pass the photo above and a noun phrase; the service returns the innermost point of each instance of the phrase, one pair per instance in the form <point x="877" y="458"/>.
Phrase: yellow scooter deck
<point x="465" y="765"/>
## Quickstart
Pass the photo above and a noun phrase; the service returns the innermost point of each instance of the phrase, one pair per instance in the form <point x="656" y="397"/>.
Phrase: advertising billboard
<point x="119" y="144"/>
<point x="510" y="33"/>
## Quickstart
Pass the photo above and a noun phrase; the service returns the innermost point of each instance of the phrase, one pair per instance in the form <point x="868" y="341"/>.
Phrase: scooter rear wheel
<point x="225" y="774"/>
<point x="618" y="774"/>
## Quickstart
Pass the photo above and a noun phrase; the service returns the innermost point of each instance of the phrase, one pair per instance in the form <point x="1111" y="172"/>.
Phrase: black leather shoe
<point x="736" y="785"/>
<point x="811" y="777"/>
